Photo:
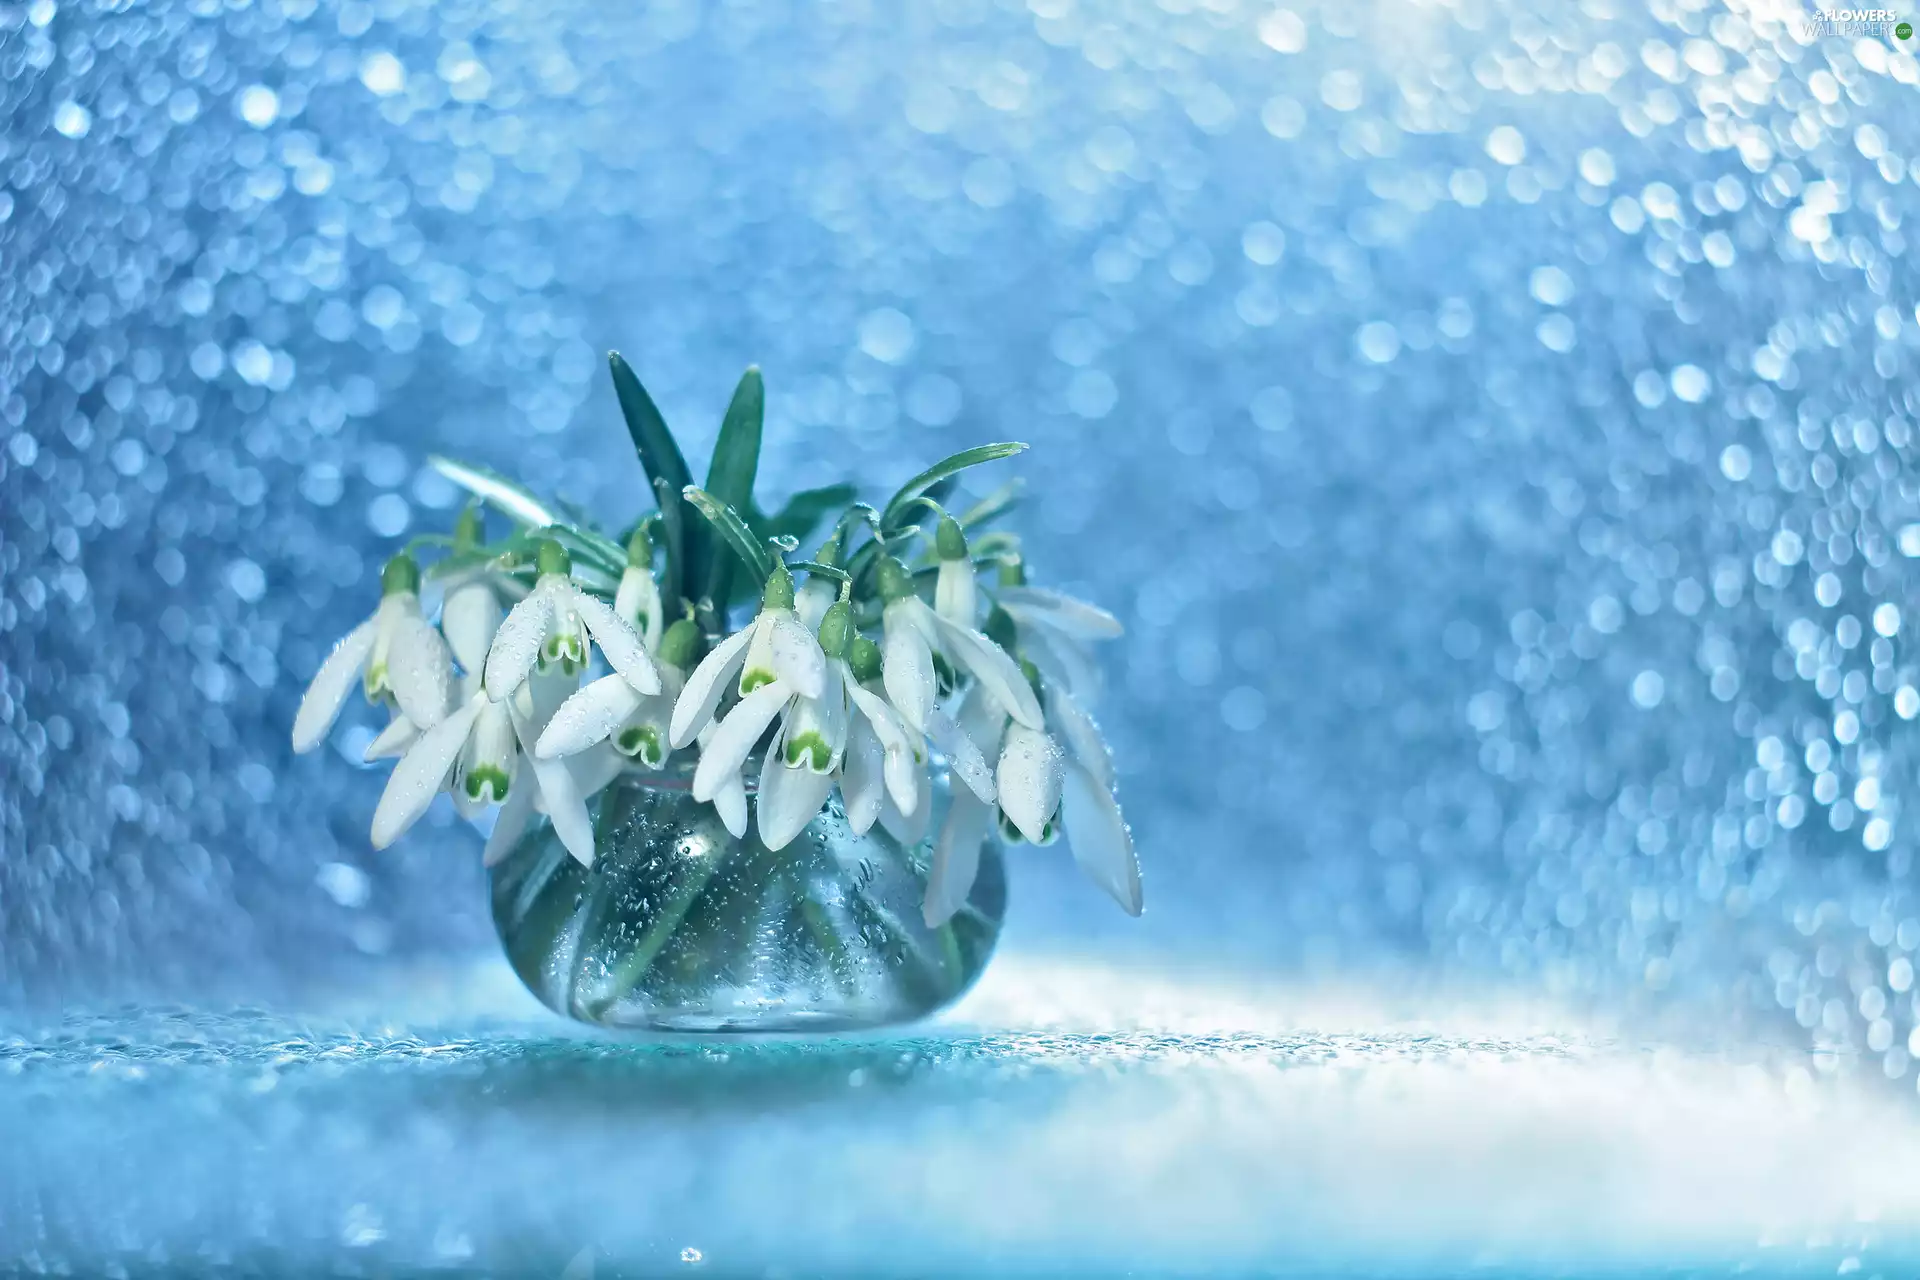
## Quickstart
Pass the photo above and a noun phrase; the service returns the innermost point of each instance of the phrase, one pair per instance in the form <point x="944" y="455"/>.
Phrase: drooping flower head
<point x="637" y="601"/>
<point x="398" y="657"/>
<point x="553" y="630"/>
<point x="956" y="592"/>
<point x="776" y="647"/>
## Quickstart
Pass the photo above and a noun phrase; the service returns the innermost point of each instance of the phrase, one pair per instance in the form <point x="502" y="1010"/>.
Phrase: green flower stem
<point x="825" y="936"/>
<point x="947" y="963"/>
<point x="658" y="933"/>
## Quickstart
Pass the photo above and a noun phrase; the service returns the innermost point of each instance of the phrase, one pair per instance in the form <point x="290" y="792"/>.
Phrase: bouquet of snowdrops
<point x="910" y="636"/>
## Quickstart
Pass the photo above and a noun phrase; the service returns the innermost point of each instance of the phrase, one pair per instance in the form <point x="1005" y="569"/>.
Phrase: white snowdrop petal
<point x="1062" y="613"/>
<point x="1097" y="833"/>
<point x="393" y="740"/>
<point x="470" y="617"/>
<point x="956" y="858"/>
<point x="637" y="602"/>
<point x="1080" y="734"/>
<point x="909" y="825"/>
<point x="956" y="593"/>
<point x="516" y="645"/>
<point x="968" y="764"/>
<point x="511" y="823"/>
<point x="797" y="658"/>
<point x="905" y="777"/>
<point x="420" y="669"/>
<point x="321" y="704"/>
<point x="420" y="775"/>
<point x="907" y="669"/>
<point x="1063" y="662"/>
<point x="982" y="719"/>
<point x="880" y="717"/>
<point x="788" y="800"/>
<point x="588" y="717"/>
<point x="730" y="801"/>
<point x="862" y="782"/>
<point x="813" y="600"/>
<point x="693" y="710"/>
<point x="618" y="641"/>
<point x="992" y="666"/>
<point x="1029" y="777"/>
<point x="560" y="797"/>
<point x="593" y="771"/>
<point x="731" y="744"/>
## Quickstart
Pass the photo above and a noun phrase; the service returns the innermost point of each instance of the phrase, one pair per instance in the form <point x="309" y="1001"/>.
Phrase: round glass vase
<point x="680" y="927"/>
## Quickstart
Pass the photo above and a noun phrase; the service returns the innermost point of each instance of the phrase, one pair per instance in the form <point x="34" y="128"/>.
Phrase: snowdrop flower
<point x="956" y="593"/>
<point x="396" y="654"/>
<point x="817" y="596"/>
<point x="483" y="751"/>
<point x="1053" y="630"/>
<point x="913" y="632"/>
<point x="474" y="599"/>
<point x="774" y="648"/>
<point x="800" y="766"/>
<point x="611" y="709"/>
<point x="472" y="604"/>
<point x="883" y="769"/>
<point x="470" y="613"/>
<point x="554" y="629"/>
<point x="637" y="601"/>
<point x="1047" y="785"/>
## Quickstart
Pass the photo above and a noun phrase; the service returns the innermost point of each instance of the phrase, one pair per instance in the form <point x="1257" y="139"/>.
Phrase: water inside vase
<point x="680" y="927"/>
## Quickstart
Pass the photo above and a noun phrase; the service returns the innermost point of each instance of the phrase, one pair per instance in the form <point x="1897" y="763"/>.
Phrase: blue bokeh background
<point x="1493" y="422"/>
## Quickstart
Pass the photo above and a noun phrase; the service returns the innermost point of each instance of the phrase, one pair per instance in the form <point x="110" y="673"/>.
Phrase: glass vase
<point x="680" y="927"/>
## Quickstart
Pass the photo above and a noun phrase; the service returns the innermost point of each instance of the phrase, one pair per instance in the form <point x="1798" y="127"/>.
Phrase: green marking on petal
<point x="753" y="678"/>
<point x="375" y="682"/>
<point x="564" y="651"/>
<point x="487" y="783"/>
<point x="642" y="742"/>
<point x="809" y="747"/>
<point x="1009" y="832"/>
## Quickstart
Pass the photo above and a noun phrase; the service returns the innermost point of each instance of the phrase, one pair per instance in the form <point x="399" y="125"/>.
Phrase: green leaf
<point x="500" y="557"/>
<point x="824" y="570"/>
<point x="900" y="504"/>
<point x="732" y="530"/>
<point x="590" y="550"/>
<point x="736" y="459"/>
<point x="511" y="498"/>
<point x="663" y="461"/>
<point x="673" y="527"/>
<point x="994" y="505"/>
<point x="803" y="512"/>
